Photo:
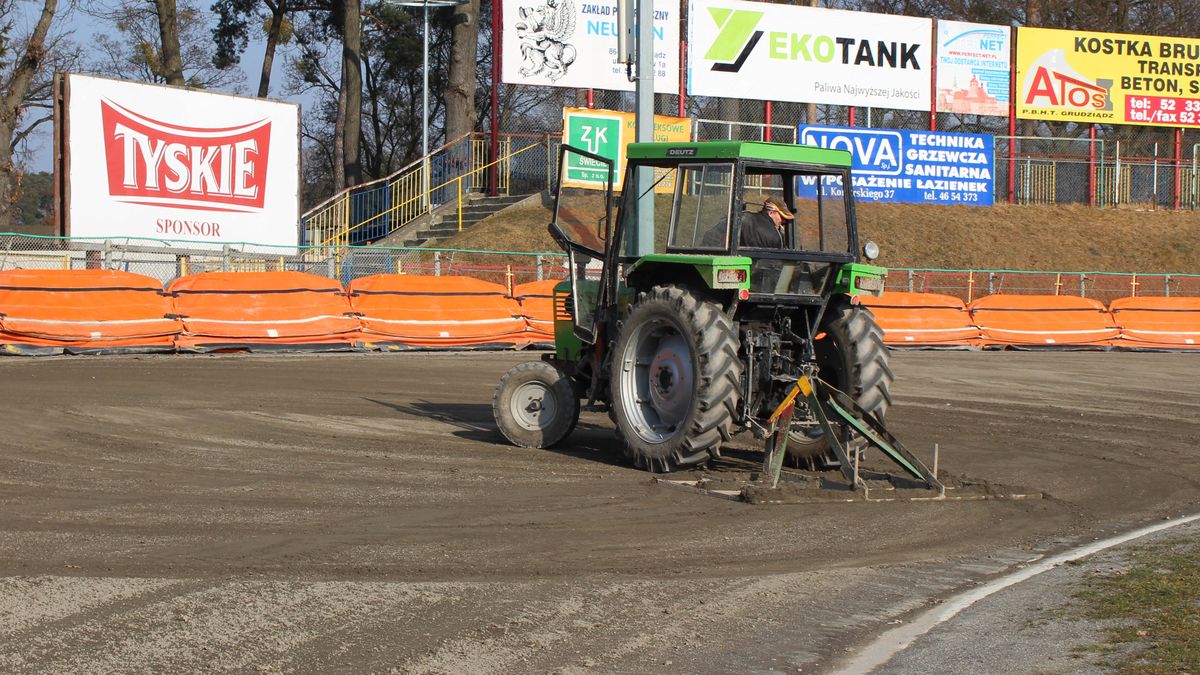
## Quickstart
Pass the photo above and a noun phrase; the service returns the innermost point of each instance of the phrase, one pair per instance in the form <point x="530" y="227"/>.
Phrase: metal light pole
<point x="425" y="5"/>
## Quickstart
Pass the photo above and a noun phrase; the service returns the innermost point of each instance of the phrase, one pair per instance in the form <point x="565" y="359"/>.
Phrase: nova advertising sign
<point x="1079" y="76"/>
<point x="908" y="166"/>
<point x="973" y="73"/>
<point x="173" y="164"/>
<point x="573" y="43"/>
<point x="804" y="54"/>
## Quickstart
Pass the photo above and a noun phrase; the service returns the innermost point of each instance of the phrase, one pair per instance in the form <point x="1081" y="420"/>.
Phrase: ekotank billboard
<point x="178" y="165"/>
<point x="805" y="54"/>
<point x="1109" y="78"/>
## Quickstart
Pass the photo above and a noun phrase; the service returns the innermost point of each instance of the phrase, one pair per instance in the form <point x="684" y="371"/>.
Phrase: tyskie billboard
<point x="197" y="168"/>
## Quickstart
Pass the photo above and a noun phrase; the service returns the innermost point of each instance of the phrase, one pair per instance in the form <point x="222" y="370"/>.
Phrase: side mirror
<point x="870" y="250"/>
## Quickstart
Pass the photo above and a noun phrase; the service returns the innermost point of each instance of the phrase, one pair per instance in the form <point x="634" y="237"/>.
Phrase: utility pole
<point x="644" y="113"/>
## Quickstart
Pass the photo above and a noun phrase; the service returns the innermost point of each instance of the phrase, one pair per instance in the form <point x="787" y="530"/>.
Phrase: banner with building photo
<point x="573" y="43"/>
<point x="1109" y="78"/>
<point x="606" y="133"/>
<point x="974" y="74"/>
<point x="775" y="52"/>
<point x="915" y="167"/>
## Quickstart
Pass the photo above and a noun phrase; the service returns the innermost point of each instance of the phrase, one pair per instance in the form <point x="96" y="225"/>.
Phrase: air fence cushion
<point x="536" y="299"/>
<point x="1043" y="320"/>
<point x="923" y="320"/>
<point x="245" y="309"/>
<point x="436" y="311"/>
<point x="1158" y="323"/>
<point x="88" y="309"/>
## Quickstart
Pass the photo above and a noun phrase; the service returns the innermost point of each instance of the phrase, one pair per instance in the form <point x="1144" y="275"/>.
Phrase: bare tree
<point x="168" y="30"/>
<point x="348" y="19"/>
<point x="134" y="50"/>
<point x="29" y="59"/>
<point x="460" y="89"/>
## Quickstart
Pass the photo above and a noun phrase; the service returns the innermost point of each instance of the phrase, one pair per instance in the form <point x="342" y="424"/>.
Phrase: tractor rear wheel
<point x="535" y="405"/>
<point x="675" y="379"/>
<point x="853" y="358"/>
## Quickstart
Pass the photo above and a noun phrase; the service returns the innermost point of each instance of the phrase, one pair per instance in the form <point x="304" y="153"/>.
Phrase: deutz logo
<point x="736" y="40"/>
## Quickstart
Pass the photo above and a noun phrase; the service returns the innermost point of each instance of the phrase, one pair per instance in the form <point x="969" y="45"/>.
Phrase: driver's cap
<point x="777" y="205"/>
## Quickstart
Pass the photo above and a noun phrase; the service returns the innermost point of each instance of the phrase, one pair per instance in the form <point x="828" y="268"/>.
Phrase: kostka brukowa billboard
<point x="895" y="165"/>
<point x="805" y="54"/>
<point x="179" y="165"/>
<point x="1079" y="76"/>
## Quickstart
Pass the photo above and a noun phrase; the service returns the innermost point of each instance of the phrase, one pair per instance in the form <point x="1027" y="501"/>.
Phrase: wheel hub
<point x="670" y="379"/>
<point x="533" y="406"/>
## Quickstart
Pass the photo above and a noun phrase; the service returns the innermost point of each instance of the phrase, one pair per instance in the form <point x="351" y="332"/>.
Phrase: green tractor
<point x="731" y="271"/>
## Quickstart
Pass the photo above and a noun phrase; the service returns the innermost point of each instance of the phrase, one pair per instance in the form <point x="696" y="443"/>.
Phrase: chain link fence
<point x="165" y="261"/>
<point x="1037" y="162"/>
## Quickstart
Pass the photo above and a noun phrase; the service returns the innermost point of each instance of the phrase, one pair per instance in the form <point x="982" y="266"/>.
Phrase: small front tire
<point x="535" y="405"/>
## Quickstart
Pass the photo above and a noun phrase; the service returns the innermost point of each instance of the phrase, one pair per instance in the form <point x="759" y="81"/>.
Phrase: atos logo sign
<point x="875" y="151"/>
<point x="163" y="164"/>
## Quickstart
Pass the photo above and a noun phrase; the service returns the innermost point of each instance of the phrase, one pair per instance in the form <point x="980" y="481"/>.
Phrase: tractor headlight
<point x="870" y="250"/>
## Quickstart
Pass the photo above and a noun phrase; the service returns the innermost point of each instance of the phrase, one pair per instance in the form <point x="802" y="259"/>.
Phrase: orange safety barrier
<point x="1044" y="320"/>
<point x="262" y="310"/>
<point x="1157" y="322"/>
<point x="536" y="299"/>
<point x="49" y="311"/>
<point x="400" y="311"/>
<point x="923" y="320"/>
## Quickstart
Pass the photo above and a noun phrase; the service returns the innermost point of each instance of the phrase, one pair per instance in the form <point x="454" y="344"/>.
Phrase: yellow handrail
<point x="345" y="235"/>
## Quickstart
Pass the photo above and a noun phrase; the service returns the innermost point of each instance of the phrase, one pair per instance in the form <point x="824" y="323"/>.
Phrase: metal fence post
<point x="331" y="263"/>
<point x="910" y="281"/>
<point x="991" y="283"/>
<point x="108" y="255"/>
<point x="225" y="252"/>
<point x="1082" y="285"/>
<point x="437" y="263"/>
<point x="539" y="267"/>
<point x="1167" y="285"/>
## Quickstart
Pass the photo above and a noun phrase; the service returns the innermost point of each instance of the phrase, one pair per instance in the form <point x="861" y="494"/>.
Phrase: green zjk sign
<point x="598" y="135"/>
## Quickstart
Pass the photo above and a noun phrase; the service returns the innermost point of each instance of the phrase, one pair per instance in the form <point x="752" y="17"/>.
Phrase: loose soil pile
<point x="1051" y="238"/>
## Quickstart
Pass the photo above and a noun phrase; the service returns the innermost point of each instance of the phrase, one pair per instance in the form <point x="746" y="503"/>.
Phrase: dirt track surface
<point x="359" y="513"/>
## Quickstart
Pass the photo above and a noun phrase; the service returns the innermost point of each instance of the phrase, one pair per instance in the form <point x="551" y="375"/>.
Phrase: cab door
<point x="582" y="216"/>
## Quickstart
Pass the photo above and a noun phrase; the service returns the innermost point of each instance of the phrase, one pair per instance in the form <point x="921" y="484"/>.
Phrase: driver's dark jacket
<point x="759" y="231"/>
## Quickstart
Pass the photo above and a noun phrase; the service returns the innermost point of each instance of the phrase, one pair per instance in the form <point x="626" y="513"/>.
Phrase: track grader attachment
<point x="820" y="397"/>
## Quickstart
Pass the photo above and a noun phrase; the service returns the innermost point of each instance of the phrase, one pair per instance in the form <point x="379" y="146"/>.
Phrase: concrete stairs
<point x="444" y="224"/>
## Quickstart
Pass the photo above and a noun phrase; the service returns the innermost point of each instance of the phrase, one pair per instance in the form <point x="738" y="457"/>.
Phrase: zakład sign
<point x="804" y="54"/>
<point x="178" y="165"/>
<point x="1107" y="78"/>
<point x="892" y="165"/>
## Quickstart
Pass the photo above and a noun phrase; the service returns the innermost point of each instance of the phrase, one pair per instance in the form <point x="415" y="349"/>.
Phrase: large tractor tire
<point x="535" y="405"/>
<point x="851" y="357"/>
<point x="675" y="379"/>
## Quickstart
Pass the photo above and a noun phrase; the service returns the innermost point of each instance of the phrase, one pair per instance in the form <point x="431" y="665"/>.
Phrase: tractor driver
<point x="766" y="228"/>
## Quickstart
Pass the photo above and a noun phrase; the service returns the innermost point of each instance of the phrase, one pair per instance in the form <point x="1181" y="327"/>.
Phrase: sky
<point x="40" y="157"/>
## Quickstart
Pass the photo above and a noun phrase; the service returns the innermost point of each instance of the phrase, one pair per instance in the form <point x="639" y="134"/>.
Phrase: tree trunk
<point x="168" y="30"/>
<point x="339" y="152"/>
<point x="460" y="90"/>
<point x="351" y="128"/>
<point x="264" y="80"/>
<point x="12" y="108"/>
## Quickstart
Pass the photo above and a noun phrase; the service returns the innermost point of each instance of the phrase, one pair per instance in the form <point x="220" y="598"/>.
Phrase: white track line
<point x="892" y="642"/>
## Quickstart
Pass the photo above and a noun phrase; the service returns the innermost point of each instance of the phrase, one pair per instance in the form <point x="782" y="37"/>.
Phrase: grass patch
<point x="1153" y="608"/>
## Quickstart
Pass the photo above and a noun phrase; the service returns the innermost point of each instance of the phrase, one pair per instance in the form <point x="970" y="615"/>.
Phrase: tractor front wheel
<point x="675" y="379"/>
<point x="851" y="356"/>
<point x="535" y="405"/>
